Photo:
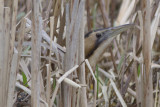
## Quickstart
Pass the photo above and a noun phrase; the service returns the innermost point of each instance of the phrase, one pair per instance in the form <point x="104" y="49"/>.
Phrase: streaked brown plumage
<point x="96" y="41"/>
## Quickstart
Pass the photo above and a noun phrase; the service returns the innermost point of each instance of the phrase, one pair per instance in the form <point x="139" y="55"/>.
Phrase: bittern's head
<point x="95" y="38"/>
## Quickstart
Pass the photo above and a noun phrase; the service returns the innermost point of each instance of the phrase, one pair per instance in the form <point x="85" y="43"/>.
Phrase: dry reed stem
<point x="12" y="40"/>
<point x="21" y="39"/>
<point x="95" y="80"/>
<point x="123" y="8"/>
<point x="113" y="59"/>
<point x="48" y="86"/>
<point x="139" y="79"/>
<point x="153" y="65"/>
<point x="57" y="12"/>
<point x="2" y="87"/>
<point x="48" y="9"/>
<point x="67" y="73"/>
<point x="15" y="64"/>
<point x="67" y="20"/>
<point x="104" y="14"/>
<point x="13" y="28"/>
<point x="159" y="93"/>
<point x="48" y="90"/>
<point x="118" y="93"/>
<point x="104" y="91"/>
<point x="36" y="50"/>
<point x="6" y="50"/>
<point x="78" y="98"/>
<point x="81" y="70"/>
<point x="71" y="47"/>
<point x="55" y="47"/>
<point x="27" y="90"/>
<point x="24" y="17"/>
<point x="154" y="25"/>
<point x="126" y="11"/>
<point x="131" y="92"/>
<point x="88" y="15"/>
<point x="156" y="96"/>
<point x="61" y="39"/>
<point x="135" y="42"/>
<point x="28" y="3"/>
<point x="76" y="31"/>
<point x="107" y="3"/>
<point x="147" y="73"/>
<point x="105" y="73"/>
<point x="71" y="83"/>
<point x="146" y="37"/>
<point x="54" y="94"/>
<point x="12" y="79"/>
<point x="59" y="81"/>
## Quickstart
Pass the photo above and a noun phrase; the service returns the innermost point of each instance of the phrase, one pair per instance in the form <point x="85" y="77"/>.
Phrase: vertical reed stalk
<point x="147" y="89"/>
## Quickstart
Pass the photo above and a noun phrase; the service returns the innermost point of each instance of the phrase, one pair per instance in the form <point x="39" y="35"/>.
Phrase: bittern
<point x="96" y="41"/>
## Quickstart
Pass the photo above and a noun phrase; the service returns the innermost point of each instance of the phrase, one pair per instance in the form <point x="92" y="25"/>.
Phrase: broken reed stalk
<point x="60" y="80"/>
<point x="147" y="72"/>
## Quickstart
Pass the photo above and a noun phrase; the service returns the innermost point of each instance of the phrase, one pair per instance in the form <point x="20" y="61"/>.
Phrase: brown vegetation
<point x="42" y="58"/>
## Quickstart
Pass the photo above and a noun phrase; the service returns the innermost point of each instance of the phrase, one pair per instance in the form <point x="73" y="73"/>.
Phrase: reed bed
<point x="43" y="63"/>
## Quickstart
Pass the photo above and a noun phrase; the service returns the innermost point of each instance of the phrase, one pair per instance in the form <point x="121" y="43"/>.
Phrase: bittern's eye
<point x="98" y="35"/>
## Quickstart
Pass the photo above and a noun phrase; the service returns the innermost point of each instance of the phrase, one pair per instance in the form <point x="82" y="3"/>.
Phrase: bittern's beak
<point x="94" y="38"/>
